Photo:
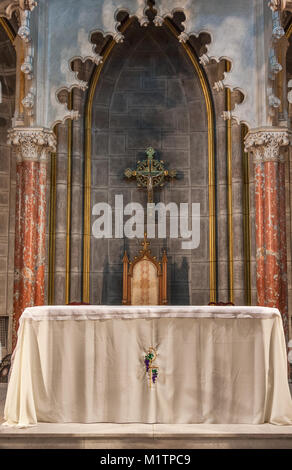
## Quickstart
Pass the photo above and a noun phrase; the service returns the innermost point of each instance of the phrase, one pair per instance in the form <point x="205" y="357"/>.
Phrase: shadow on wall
<point x="112" y="285"/>
<point x="104" y="298"/>
<point x="180" y="292"/>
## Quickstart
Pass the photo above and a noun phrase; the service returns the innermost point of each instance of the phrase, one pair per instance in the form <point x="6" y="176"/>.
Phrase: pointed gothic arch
<point x="199" y="71"/>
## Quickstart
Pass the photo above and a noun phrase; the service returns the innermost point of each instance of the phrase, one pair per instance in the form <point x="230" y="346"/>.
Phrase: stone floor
<point x="143" y="436"/>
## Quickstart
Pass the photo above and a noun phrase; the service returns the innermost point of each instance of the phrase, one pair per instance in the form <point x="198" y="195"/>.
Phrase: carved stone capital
<point x="274" y="4"/>
<point x="24" y="30"/>
<point x="204" y="59"/>
<point x="275" y="67"/>
<point x="219" y="86"/>
<point x="280" y="5"/>
<point x="183" y="37"/>
<point x="27" y="4"/>
<point x="228" y="115"/>
<point x="27" y="66"/>
<point x="158" y="20"/>
<point x="118" y="37"/>
<point x="265" y="144"/>
<point x="274" y="101"/>
<point x="7" y="7"/>
<point x="32" y="144"/>
<point x="278" y="30"/>
<point x="144" y="21"/>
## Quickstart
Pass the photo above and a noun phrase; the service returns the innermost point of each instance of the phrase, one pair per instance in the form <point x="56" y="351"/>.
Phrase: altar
<point x="162" y="364"/>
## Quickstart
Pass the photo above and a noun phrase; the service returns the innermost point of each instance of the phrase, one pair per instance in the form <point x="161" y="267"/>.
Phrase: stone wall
<point x="214" y="73"/>
<point x="7" y="185"/>
<point x="148" y="94"/>
<point x="76" y="240"/>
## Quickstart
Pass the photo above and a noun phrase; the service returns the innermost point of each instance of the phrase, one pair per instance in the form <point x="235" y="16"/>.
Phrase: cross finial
<point x="145" y="243"/>
<point x="150" y="152"/>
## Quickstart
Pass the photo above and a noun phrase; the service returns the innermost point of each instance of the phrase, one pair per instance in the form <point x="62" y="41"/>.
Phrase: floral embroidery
<point x="151" y="369"/>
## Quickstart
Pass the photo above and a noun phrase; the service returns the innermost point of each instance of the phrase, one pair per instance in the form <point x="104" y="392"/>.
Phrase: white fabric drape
<point x="86" y="364"/>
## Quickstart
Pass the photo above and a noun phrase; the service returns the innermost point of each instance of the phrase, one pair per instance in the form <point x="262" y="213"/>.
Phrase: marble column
<point x="271" y="250"/>
<point x="33" y="146"/>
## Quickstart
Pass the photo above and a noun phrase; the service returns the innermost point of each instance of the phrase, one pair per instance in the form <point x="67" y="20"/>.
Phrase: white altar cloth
<point x="86" y="364"/>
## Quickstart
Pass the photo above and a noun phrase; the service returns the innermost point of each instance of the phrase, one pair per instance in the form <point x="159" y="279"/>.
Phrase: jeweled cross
<point x="150" y="173"/>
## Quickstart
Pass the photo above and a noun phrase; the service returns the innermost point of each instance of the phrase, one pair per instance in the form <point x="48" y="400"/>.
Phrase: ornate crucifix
<point x="150" y="173"/>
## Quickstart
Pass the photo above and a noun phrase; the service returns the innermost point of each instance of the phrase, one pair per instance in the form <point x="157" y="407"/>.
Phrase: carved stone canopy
<point x="32" y="144"/>
<point x="265" y="143"/>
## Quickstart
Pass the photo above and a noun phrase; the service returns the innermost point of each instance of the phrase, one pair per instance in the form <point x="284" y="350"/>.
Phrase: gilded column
<point x="33" y="146"/>
<point x="271" y="253"/>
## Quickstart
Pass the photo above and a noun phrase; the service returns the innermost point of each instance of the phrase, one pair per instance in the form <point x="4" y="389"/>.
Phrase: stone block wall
<point x="215" y="72"/>
<point x="148" y="95"/>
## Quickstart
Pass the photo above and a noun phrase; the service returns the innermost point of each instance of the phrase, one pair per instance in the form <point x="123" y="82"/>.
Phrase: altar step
<point x="144" y="436"/>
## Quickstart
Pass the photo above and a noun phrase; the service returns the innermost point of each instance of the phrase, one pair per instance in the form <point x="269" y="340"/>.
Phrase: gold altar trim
<point x="52" y="226"/>
<point x="246" y="218"/>
<point x="229" y="192"/>
<point x="211" y="166"/>
<point x="69" y="202"/>
<point x="8" y="29"/>
<point x="289" y="31"/>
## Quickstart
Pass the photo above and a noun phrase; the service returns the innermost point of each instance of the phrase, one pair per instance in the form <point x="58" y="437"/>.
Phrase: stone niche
<point x="148" y="93"/>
